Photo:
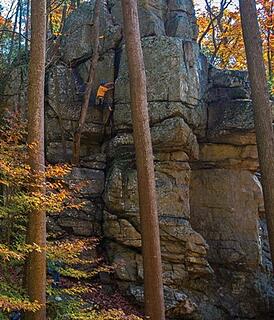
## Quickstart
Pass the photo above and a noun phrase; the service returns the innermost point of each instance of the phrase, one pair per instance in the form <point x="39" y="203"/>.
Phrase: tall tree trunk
<point x="91" y="77"/>
<point x="269" y="55"/>
<point x="36" y="232"/>
<point x="13" y="33"/>
<point x="27" y="28"/>
<point x="262" y="108"/>
<point x="270" y="49"/>
<point x="20" y="26"/>
<point x="154" y="299"/>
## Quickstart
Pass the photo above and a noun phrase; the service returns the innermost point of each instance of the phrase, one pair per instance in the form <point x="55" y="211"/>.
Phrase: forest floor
<point x="106" y="296"/>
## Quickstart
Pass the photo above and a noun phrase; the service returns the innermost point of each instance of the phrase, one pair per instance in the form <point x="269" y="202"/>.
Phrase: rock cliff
<point x="215" y="253"/>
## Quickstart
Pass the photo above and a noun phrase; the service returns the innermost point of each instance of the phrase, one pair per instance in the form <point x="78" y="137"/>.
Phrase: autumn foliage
<point x="220" y="36"/>
<point x="57" y="13"/>
<point x="18" y="197"/>
<point x="69" y="259"/>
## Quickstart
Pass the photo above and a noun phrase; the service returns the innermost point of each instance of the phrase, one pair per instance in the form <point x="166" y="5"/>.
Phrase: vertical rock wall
<point x="173" y="75"/>
<point x="226" y="200"/>
<point x="226" y="194"/>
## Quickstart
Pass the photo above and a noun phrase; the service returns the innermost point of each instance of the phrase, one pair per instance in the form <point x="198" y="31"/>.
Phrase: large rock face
<point x="230" y="227"/>
<point x="212" y="227"/>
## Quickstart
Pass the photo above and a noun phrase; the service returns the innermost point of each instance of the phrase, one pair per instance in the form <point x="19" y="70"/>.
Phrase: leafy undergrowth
<point x="114" y="300"/>
<point x="75" y="291"/>
<point x="97" y="302"/>
<point x="79" y="293"/>
<point x="72" y="264"/>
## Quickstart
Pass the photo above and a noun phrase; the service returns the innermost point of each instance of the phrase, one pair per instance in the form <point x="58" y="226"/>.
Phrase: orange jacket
<point x="102" y="90"/>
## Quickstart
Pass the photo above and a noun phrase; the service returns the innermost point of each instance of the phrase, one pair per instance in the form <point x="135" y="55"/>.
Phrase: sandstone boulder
<point x="224" y="209"/>
<point x="171" y="69"/>
<point x="172" y="181"/>
<point x="160" y="111"/>
<point x="76" y="44"/>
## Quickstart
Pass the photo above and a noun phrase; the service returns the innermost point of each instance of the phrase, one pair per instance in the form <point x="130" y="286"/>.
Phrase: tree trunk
<point x="154" y="299"/>
<point x="20" y="26"/>
<point x="91" y="77"/>
<point x="269" y="55"/>
<point x="27" y="29"/>
<point x="262" y="109"/>
<point x="270" y="50"/>
<point x="36" y="232"/>
<point x="13" y="34"/>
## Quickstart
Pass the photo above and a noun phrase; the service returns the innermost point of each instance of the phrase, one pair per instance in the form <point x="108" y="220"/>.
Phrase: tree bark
<point x="27" y="28"/>
<point x="269" y="55"/>
<point x="154" y="298"/>
<point x="20" y="26"/>
<point x="13" y="34"/>
<point x="36" y="231"/>
<point x="262" y="109"/>
<point x="91" y="77"/>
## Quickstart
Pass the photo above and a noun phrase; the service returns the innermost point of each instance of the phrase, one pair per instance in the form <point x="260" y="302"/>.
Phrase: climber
<point x="101" y="93"/>
<point x="54" y="271"/>
<point x="16" y="315"/>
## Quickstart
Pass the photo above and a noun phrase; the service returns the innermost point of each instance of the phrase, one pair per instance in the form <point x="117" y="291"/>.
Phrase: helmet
<point x="103" y="82"/>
